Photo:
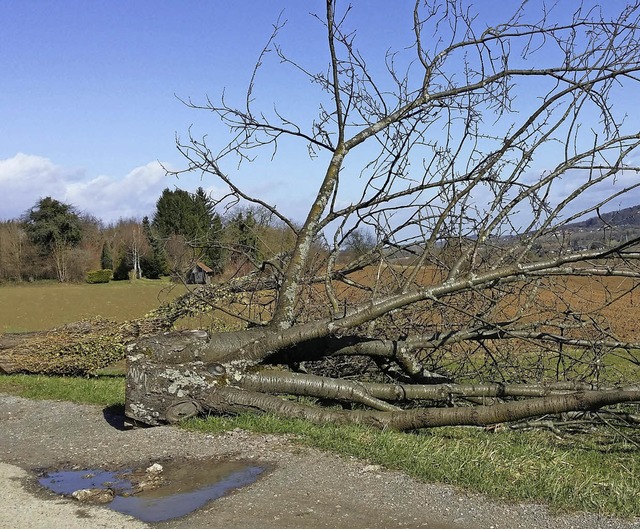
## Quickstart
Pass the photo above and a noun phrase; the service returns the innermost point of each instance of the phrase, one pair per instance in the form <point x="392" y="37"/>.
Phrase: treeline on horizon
<point x="52" y="240"/>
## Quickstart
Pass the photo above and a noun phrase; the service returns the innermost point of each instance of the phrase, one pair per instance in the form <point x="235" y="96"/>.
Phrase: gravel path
<point x="304" y="487"/>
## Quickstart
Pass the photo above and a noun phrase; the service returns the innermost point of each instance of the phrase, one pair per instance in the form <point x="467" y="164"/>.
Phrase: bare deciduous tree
<point x="481" y="146"/>
<point x="17" y="253"/>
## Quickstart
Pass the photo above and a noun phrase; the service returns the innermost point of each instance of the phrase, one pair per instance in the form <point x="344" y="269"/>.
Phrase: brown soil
<point x="304" y="487"/>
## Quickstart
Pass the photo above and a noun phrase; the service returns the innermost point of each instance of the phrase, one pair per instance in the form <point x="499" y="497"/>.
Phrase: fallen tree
<point x="449" y="280"/>
<point x="438" y="277"/>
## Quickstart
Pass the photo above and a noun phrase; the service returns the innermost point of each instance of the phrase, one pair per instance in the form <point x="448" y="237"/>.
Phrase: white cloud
<point x="109" y="199"/>
<point x="24" y="179"/>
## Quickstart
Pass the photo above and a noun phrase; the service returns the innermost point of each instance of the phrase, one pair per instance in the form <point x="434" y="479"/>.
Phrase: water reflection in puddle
<point x="185" y="486"/>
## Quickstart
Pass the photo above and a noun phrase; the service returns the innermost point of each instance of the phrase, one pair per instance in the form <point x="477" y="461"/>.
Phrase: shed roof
<point x="204" y="267"/>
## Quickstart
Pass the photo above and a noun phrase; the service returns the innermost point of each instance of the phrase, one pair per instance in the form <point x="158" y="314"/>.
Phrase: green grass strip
<point x="102" y="390"/>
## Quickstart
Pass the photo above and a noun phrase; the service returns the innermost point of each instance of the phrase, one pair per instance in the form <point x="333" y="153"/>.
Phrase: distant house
<point x="200" y="274"/>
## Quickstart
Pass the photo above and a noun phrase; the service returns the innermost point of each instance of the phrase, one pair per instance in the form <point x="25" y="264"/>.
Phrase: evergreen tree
<point x="191" y="216"/>
<point x="243" y="236"/>
<point x="154" y="265"/>
<point x="174" y="210"/>
<point x="122" y="267"/>
<point x="106" y="260"/>
<point x="202" y="214"/>
<point x="216" y="254"/>
<point x="55" y="228"/>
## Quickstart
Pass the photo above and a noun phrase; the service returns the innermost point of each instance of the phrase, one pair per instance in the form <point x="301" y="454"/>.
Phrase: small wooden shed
<point x="200" y="274"/>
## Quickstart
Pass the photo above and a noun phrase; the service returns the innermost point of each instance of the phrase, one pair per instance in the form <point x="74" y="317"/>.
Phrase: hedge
<point x="99" y="276"/>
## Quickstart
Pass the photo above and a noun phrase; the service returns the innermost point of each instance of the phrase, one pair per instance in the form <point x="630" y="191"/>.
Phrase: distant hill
<point x="623" y="218"/>
<point x="604" y="230"/>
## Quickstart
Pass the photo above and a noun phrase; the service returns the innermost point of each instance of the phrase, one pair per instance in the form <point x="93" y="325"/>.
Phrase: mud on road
<point x="302" y="488"/>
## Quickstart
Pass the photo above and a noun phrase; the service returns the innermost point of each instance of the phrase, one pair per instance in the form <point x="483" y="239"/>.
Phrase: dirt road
<point x="304" y="487"/>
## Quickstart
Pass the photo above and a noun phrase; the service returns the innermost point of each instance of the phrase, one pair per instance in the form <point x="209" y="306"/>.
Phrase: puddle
<point x="180" y="488"/>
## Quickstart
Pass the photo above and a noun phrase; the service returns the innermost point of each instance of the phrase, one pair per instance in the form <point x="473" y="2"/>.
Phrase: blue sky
<point x="88" y="107"/>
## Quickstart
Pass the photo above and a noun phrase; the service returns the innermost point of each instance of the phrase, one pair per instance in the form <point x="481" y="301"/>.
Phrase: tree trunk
<point x="163" y="386"/>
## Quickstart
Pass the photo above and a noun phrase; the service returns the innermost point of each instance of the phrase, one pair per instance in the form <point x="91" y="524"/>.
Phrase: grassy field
<point x="44" y="305"/>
